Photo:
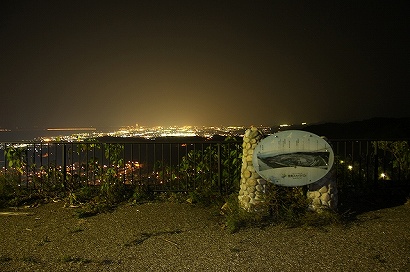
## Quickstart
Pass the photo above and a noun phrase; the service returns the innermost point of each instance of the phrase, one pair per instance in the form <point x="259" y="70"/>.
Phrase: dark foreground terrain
<point x="183" y="237"/>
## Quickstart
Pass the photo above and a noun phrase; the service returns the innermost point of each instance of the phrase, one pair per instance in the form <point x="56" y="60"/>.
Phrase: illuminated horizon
<point x="70" y="129"/>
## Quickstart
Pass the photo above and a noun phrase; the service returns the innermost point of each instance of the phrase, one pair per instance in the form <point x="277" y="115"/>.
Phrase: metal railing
<point x="363" y="163"/>
<point x="172" y="165"/>
<point x="161" y="165"/>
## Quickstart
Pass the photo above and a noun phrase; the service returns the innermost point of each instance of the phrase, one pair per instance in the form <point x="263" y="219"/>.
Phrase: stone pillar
<point x="252" y="187"/>
<point x="322" y="194"/>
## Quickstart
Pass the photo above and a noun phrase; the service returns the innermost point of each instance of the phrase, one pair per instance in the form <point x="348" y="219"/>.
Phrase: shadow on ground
<point x="379" y="197"/>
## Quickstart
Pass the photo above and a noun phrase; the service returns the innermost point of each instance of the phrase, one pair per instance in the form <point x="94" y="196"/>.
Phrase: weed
<point x="141" y="193"/>
<point x="206" y="197"/>
<point x="84" y="194"/>
<point x="139" y="240"/>
<point x="44" y="241"/>
<point x="76" y="230"/>
<point x="282" y="206"/>
<point x="286" y="204"/>
<point x="30" y="259"/>
<point x="145" y="235"/>
<point x="172" y="197"/>
<point x="324" y="218"/>
<point x="234" y="250"/>
<point x="107" y="262"/>
<point x="236" y="217"/>
<point x="93" y="208"/>
<point x="379" y="258"/>
<point x="5" y="259"/>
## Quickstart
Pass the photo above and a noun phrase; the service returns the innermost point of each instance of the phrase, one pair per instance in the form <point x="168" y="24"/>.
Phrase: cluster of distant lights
<point x="153" y="132"/>
<point x="382" y="175"/>
<point x="287" y="125"/>
<point x="129" y="168"/>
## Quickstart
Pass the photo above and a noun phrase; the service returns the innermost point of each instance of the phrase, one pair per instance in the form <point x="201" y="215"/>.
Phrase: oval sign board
<point x="293" y="158"/>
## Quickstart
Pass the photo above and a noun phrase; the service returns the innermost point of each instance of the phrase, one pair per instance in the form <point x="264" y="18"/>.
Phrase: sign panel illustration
<point x="293" y="158"/>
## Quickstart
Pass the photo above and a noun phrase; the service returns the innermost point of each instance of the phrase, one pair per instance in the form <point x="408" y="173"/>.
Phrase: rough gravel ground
<point x="183" y="237"/>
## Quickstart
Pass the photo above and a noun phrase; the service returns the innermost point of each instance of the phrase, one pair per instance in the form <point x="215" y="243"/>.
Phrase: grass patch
<point x="237" y="218"/>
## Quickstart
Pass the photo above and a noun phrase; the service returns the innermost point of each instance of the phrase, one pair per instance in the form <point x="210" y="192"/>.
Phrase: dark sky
<point x="112" y="63"/>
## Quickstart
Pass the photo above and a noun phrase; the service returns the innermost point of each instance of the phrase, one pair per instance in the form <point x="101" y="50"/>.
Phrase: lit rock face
<point x="252" y="189"/>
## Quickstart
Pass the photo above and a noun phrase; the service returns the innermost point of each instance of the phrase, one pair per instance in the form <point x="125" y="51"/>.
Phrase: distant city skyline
<point x="389" y="128"/>
<point x="79" y="134"/>
<point x="137" y="131"/>
<point x="113" y="63"/>
<point x="117" y="127"/>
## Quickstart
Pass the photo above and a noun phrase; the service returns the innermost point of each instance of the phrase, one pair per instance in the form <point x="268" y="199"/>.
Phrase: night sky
<point x="114" y="63"/>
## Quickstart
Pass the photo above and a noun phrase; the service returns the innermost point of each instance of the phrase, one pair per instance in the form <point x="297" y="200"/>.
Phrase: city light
<point x="153" y="132"/>
<point x="384" y="176"/>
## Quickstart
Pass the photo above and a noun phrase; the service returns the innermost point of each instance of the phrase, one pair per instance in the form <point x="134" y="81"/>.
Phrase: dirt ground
<point x="184" y="237"/>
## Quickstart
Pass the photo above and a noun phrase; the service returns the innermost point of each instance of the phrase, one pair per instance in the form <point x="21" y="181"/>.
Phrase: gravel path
<point x="183" y="237"/>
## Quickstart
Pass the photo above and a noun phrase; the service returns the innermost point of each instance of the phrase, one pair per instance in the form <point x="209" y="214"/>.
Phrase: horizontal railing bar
<point x="160" y="162"/>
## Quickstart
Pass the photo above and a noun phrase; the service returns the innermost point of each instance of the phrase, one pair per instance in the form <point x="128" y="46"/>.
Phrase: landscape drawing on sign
<point x="293" y="158"/>
<point x="306" y="159"/>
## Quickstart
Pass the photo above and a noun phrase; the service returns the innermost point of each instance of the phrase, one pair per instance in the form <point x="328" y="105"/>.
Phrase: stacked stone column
<point x="252" y="189"/>
<point x="323" y="193"/>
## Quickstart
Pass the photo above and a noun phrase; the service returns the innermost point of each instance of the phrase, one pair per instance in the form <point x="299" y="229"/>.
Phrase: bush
<point x="236" y="217"/>
<point x="286" y="204"/>
<point x="283" y="205"/>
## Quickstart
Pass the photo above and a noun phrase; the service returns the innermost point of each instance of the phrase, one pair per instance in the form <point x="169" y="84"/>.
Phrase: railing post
<point x="63" y="165"/>
<point x="27" y="165"/>
<point x="219" y="168"/>
<point x="376" y="163"/>
<point x="5" y="158"/>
